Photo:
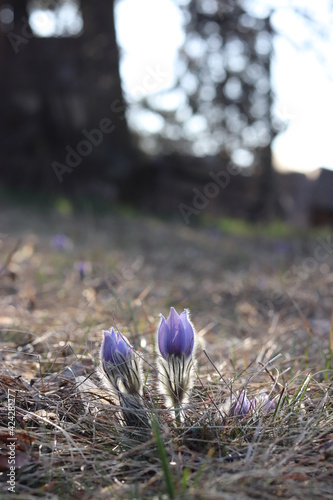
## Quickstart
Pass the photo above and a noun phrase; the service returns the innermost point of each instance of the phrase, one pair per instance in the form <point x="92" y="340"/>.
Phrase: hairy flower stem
<point x="178" y="416"/>
<point x="133" y="411"/>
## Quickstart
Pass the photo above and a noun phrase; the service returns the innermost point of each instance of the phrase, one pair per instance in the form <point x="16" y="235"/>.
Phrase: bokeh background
<point x="144" y="103"/>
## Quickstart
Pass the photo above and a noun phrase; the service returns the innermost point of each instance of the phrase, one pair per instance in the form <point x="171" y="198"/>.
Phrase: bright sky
<point x="150" y="34"/>
<point x="304" y="92"/>
<point x="304" y="87"/>
<point x="305" y="99"/>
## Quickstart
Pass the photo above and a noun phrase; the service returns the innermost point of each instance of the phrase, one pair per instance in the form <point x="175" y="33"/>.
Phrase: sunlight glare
<point x="149" y="34"/>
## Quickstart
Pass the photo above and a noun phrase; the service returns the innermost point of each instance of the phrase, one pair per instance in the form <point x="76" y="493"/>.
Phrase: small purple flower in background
<point x="83" y="268"/>
<point x="119" y="364"/>
<point x="241" y="405"/>
<point x="61" y="242"/>
<point x="282" y="246"/>
<point x="176" y="343"/>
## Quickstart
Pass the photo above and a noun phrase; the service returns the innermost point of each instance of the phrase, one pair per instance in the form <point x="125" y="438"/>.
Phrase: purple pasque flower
<point x="176" y="335"/>
<point x="114" y="348"/>
<point x="83" y="268"/>
<point x="241" y="405"/>
<point x="61" y="242"/>
<point x="264" y="403"/>
<point x="176" y="342"/>
<point x="119" y="364"/>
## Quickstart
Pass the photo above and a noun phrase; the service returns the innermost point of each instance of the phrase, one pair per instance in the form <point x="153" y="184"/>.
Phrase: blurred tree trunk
<point x="59" y="90"/>
<point x="102" y="79"/>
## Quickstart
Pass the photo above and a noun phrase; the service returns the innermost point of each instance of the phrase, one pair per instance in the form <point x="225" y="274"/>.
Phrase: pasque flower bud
<point x="176" y="343"/>
<point x="121" y="372"/>
<point x="120" y="364"/>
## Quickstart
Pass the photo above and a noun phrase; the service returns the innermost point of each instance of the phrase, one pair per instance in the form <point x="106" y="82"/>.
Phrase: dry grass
<point x="71" y="441"/>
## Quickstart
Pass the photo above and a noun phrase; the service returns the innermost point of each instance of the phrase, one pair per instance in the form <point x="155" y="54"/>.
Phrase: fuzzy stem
<point x="178" y="416"/>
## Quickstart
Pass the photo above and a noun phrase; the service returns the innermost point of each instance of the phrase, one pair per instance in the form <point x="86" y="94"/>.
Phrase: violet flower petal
<point x="175" y="341"/>
<point x="107" y="347"/>
<point x="122" y="346"/>
<point x="243" y="404"/>
<point x="189" y="334"/>
<point x="162" y="335"/>
<point x="271" y="405"/>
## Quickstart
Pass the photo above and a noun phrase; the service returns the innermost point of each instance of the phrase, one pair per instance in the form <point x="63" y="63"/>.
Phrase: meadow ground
<point x="261" y="302"/>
